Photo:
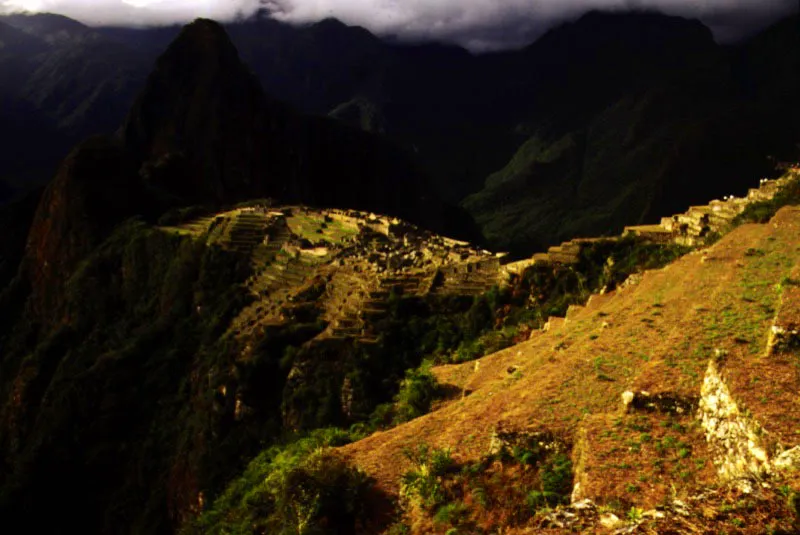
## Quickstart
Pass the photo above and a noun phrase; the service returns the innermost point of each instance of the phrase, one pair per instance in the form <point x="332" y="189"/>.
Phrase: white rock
<point x="610" y="520"/>
<point x="627" y="398"/>
<point x="577" y="493"/>
<point x="586" y="503"/>
<point x="788" y="460"/>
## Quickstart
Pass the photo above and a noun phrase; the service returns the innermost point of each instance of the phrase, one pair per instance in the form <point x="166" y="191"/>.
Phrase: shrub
<point x="300" y="488"/>
<point x="761" y="212"/>
<point x="794" y="504"/>
<point x="321" y="495"/>
<point x="423" y="484"/>
<point x="451" y="513"/>
<point x="635" y="514"/>
<point x="556" y="476"/>
<point x="417" y="392"/>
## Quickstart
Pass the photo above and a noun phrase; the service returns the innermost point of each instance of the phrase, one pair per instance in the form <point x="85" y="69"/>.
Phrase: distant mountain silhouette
<point x="462" y="116"/>
<point x="695" y="122"/>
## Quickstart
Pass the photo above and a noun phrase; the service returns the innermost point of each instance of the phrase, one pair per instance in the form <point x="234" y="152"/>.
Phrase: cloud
<point x="478" y="24"/>
<point x="136" y="12"/>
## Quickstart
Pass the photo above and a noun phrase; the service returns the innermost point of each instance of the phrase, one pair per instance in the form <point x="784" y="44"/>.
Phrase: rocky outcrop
<point x="784" y="335"/>
<point x="744" y="453"/>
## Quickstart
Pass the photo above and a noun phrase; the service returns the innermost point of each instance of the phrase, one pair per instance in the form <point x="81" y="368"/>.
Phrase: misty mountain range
<point x="601" y="122"/>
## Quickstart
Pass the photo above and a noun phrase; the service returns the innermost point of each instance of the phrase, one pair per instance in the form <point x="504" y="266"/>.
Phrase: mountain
<point x="200" y="135"/>
<point x="678" y="135"/>
<point x="464" y="116"/>
<point x="61" y="84"/>
<point x="204" y="367"/>
<point x="51" y="28"/>
<point x="229" y="316"/>
<point x="662" y="407"/>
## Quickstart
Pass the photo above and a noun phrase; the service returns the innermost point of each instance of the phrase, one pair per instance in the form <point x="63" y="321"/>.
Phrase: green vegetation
<point x="178" y="216"/>
<point x="555" y="483"/>
<point x="418" y="390"/>
<point x="635" y="514"/>
<point x="761" y="212"/>
<point x="457" y="329"/>
<point x="386" y="384"/>
<point x="299" y="488"/>
<point x="423" y="485"/>
<point x="145" y="348"/>
<point x="152" y="310"/>
<point x="549" y="291"/>
<point x="515" y="483"/>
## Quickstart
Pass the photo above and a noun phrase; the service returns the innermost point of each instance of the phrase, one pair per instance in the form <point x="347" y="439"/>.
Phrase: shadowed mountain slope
<point x="205" y="132"/>
<point x="644" y="100"/>
<point x="679" y="135"/>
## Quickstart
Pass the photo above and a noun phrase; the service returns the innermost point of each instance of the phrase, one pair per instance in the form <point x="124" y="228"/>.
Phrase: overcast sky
<point x="477" y="24"/>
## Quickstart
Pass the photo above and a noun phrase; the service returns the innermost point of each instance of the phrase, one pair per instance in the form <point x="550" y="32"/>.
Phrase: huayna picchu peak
<point x="300" y="278"/>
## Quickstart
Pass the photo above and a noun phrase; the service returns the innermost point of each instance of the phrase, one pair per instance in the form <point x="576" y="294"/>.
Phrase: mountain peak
<point x="193" y="120"/>
<point x="204" y="37"/>
<point x="635" y="27"/>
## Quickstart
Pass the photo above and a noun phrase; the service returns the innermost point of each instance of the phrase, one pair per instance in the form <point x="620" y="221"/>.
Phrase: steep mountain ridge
<point x="75" y="214"/>
<point x="207" y="128"/>
<point x="203" y="132"/>
<point x="263" y="319"/>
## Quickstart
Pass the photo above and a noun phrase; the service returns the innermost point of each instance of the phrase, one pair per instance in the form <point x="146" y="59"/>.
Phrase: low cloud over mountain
<point x="477" y="24"/>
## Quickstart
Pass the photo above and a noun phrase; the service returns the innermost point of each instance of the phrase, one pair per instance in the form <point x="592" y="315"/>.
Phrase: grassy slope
<point x="659" y="337"/>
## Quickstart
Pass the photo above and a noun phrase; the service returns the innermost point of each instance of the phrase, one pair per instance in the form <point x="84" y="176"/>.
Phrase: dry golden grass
<point x="657" y="336"/>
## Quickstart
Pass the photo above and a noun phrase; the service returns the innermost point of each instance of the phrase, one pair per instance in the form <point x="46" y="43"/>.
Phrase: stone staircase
<point x="282" y="273"/>
<point x="360" y="322"/>
<point x="407" y="284"/>
<point x="356" y="324"/>
<point x="366" y="306"/>
<point x="567" y="253"/>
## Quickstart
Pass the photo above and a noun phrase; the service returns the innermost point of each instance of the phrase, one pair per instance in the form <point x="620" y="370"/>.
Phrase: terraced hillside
<point x="352" y="261"/>
<point x="341" y="268"/>
<point x="673" y="401"/>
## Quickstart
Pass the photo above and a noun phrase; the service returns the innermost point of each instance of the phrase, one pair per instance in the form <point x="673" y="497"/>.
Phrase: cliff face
<point x="93" y="190"/>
